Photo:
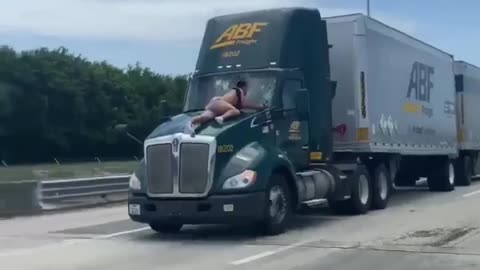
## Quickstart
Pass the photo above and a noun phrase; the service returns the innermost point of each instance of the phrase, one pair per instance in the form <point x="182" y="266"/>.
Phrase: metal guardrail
<point x="55" y="190"/>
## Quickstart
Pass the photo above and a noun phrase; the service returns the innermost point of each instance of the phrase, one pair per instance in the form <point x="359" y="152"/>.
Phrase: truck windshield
<point x="202" y="89"/>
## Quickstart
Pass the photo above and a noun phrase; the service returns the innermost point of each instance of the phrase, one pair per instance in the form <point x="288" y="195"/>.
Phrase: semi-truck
<point x="354" y="107"/>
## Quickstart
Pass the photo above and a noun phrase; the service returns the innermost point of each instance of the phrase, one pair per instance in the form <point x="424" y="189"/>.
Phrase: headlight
<point x="134" y="183"/>
<point x="245" y="179"/>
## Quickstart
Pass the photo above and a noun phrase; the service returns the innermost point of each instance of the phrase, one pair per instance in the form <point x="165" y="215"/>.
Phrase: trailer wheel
<point x="382" y="187"/>
<point x="463" y="171"/>
<point x="442" y="176"/>
<point x="361" y="194"/>
<point x="165" y="227"/>
<point x="279" y="206"/>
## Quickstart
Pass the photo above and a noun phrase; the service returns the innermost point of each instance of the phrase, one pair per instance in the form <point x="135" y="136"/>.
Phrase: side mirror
<point x="123" y="130"/>
<point x="302" y="104"/>
<point x="165" y="108"/>
<point x="333" y="87"/>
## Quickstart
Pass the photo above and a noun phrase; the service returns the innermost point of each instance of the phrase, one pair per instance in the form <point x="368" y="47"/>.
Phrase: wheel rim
<point x="451" y="174"/>
<point x="278" y="204"/>
<point x="363" y="189"/>
<point x="382" y="186"/>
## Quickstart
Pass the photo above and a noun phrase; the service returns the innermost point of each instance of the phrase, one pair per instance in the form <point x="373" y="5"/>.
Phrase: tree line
<point x="54" y="103"/>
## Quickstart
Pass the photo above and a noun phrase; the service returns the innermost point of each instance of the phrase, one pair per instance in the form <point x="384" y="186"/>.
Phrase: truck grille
<point x="160" y="168"/>
<point x="181" y="173"/>
<point x="193" y="167"/>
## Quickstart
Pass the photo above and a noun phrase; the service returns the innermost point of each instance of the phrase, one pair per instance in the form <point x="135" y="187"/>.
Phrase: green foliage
<point x="54" y="103"/>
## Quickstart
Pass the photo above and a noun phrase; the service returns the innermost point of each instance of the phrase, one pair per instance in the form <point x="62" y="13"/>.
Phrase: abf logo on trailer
<point x="242" y="33"/>
<point x="420" y="89"/>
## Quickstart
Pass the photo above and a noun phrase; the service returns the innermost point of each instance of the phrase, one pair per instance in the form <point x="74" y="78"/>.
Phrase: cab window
<point x="290" y="88"/>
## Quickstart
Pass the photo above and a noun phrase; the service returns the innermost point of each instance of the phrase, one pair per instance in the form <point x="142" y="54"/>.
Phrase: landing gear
<point x="463" y="171"/>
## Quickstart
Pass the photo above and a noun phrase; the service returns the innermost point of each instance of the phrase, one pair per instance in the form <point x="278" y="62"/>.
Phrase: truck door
<point x="293" y="133"/>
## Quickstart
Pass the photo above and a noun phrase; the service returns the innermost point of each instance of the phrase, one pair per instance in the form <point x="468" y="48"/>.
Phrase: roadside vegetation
<point x="55" y="104"/>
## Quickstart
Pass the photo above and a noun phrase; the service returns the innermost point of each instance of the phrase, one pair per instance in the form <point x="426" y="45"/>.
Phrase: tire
<point x="463" y="171"/>
<point x="279" y="206"/>
<point x="361" y="194"/>
<point x="165" y="227"/>
<point x="382" y="187"/>
<point x="442" y="176"/>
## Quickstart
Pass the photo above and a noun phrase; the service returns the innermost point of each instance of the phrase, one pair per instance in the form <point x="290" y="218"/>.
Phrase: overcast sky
<point x="165" y="34"/>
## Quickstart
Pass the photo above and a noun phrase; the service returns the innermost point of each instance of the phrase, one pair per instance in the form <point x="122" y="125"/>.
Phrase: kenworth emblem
<point x="175" y="144"/>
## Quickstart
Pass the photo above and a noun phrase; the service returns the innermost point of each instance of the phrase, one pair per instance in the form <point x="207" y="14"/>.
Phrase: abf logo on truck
<point x="243" y="33"/>
<point x="420" y="88"/>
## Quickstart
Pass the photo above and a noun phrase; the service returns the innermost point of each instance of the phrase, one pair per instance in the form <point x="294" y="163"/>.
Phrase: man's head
<point x="242" y="84"/>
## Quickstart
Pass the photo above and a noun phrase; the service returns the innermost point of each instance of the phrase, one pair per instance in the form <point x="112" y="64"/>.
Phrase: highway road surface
<point x="419" y="230"/>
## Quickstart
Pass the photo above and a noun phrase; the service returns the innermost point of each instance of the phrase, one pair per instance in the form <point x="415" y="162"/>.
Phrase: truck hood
<point x="178" y="123"/>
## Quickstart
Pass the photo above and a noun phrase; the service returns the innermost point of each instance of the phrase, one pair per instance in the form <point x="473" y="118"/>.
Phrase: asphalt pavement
<point x="419" y="230"/>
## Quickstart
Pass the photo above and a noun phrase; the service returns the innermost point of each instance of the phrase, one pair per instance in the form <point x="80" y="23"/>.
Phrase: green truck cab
<point x="263" y="165"/>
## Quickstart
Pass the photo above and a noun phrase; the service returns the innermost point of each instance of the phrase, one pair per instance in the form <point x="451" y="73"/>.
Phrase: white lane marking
<point x="65" y="243"/>
<point x="466" y="195"/>
<point x="106" y="236"/>
<point x="267" y="253"/>
<point x="253" y="258"/>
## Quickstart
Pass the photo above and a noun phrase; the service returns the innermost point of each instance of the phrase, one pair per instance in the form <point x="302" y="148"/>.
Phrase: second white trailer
<point x="467" y="78"/>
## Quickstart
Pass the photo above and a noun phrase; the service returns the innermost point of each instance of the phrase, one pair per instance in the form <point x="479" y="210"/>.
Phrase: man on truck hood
<point x="223" y="107"/>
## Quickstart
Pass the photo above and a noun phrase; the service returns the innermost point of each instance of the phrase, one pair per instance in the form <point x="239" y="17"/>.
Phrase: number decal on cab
<point x="225" y="148"/>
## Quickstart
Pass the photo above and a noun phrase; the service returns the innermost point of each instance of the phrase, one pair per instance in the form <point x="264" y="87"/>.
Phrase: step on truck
<point x="354" y="108"/>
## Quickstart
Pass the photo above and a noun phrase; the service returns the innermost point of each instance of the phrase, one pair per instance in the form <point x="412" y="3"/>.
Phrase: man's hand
<point x="256" y="107"/>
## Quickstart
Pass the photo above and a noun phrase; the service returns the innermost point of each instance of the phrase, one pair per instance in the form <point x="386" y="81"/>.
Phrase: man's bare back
<point x="224" y="107"/>
<point x="231" y="97"/>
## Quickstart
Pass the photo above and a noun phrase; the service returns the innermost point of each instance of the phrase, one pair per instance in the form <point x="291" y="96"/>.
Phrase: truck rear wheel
<point x="279" y="206"/>
<point x="382" y="187"/>
<point x="463" y="171"/>
<point x="442" y="176"/>
<point x="165" y="227"/>
<point x="361" y="194"/>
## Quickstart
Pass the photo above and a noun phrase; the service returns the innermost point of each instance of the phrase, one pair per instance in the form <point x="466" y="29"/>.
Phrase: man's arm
<point x="248" y="105"/>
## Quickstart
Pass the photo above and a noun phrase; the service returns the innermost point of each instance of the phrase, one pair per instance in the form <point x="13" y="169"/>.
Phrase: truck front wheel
<point x="165" y="227"/>
<point x="279" y="206"/>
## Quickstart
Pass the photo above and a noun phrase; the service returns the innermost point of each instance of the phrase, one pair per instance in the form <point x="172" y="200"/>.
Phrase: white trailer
<point x="467" y="78"/>
<point x="395" y="94"/>
<point x="395" y="100"/>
